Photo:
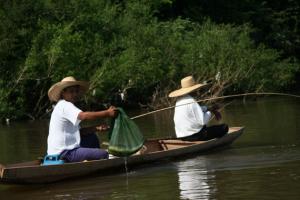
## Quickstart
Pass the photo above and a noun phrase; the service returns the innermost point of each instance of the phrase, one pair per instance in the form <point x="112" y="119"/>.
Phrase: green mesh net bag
<point x="125" y="137"/>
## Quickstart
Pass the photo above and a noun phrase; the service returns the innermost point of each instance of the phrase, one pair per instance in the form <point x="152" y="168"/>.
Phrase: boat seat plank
<point x="163" y="145"/>
<point x="175" y="144"/>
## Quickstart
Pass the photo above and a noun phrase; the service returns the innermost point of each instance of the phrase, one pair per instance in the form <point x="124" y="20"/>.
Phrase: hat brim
<point x="184" y="91"/>
<point x="54" y="93"/>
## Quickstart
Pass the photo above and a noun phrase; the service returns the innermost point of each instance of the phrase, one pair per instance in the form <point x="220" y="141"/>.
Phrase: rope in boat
<point x="221" y="97"/>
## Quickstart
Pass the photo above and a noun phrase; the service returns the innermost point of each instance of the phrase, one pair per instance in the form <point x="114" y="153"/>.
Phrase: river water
<point x="264" y="163"/>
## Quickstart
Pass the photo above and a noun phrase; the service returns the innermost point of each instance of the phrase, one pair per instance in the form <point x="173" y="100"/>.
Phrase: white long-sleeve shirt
<point x="189" y="116"/>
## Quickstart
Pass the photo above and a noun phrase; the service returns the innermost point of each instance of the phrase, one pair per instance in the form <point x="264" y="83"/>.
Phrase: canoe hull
<point x="33" y="172"/>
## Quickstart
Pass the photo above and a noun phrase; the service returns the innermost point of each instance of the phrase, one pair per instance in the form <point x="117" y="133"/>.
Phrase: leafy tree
<point x="140" y="47"/>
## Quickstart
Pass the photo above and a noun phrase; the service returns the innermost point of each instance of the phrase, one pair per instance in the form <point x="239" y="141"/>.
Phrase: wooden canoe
<point x="156" y="149"/>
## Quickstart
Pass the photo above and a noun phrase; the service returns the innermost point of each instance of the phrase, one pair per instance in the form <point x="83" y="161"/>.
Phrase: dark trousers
<point x="207" y="133"/>
<point x="89" y="141"/>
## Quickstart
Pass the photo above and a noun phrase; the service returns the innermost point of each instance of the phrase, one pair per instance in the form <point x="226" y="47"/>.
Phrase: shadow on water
<point x="263" y="164"/>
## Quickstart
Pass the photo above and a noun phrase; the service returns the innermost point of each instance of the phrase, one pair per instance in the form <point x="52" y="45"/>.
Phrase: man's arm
<point x="110" y="112"/>
<point x="215" y="110"/>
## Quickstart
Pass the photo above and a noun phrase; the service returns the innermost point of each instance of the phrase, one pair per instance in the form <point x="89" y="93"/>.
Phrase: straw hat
<point x="188" y="85"/>
<point x="55" y="91"/>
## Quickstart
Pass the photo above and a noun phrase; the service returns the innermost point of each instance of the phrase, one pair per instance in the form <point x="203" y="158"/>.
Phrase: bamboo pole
<point x="221" y="97"/>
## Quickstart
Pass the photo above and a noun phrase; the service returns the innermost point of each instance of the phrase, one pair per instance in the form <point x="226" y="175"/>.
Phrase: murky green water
<point x="263" y="164"/>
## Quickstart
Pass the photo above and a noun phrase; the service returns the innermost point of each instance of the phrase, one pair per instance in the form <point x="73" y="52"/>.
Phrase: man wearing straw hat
<point x="64" y="129"/>
<point x="190" y="118"/>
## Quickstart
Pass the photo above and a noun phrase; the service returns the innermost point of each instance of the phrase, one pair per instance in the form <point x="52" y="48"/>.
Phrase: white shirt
<point x="64" y="128"/>
<point x="189" y="116"/>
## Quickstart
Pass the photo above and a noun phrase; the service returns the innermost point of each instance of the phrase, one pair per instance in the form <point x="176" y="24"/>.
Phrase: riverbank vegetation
<point x="143" y="48"/>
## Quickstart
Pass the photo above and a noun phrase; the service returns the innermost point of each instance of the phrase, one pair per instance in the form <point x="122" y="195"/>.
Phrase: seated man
<point x="190" y="118"/>
<point x="64" y="129"/>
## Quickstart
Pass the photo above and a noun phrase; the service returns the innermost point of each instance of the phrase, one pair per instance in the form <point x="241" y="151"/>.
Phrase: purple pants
<point x="89" y="150"/>
<point x="81" y="154"/>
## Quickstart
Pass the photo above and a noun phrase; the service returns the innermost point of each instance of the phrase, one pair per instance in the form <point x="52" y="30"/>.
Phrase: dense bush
<point x="124" y="46"/>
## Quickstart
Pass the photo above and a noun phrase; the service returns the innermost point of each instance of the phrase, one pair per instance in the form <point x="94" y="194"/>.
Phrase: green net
<point x="125" y="137"/>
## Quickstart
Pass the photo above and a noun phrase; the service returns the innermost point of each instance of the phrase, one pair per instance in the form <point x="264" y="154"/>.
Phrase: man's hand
<point x="214" y="107"/>
<point x="217" y="114"/>
<point x="215" y="110"/>
<point x="112" y="111"/>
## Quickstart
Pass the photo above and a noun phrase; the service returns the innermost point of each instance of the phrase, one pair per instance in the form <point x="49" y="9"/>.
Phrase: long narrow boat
<point x="156" y="149"/>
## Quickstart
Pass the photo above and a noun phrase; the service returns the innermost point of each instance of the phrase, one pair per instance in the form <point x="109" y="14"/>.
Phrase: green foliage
<point x="120" y="45"/>
<point x="276" y="23"/>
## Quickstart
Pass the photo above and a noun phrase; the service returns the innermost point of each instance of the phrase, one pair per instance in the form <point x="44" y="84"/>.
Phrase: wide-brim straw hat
<point x="54" y="93"/>
<point x="188" y="85"/>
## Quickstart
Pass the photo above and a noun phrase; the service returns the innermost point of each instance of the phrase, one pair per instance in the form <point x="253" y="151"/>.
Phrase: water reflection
<point x="195" y="182"/>
<point x="264" y="161"/>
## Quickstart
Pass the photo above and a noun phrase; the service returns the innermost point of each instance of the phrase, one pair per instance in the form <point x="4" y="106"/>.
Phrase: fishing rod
<point x="221" y="97"/>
